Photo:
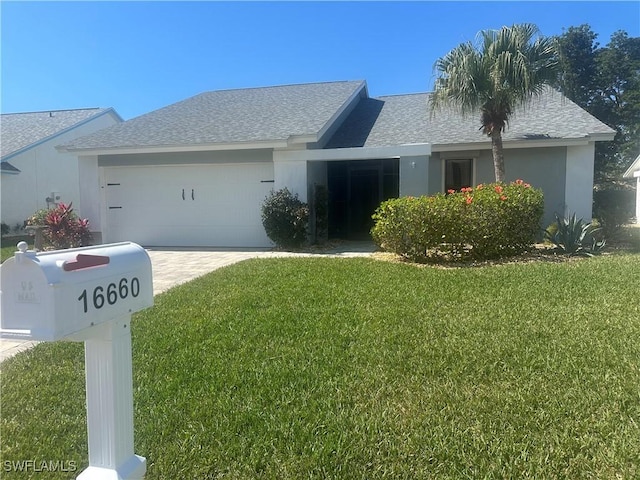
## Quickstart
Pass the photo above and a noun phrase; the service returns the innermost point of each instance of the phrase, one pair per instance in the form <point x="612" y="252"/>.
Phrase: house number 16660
<point x="111" y="294"/>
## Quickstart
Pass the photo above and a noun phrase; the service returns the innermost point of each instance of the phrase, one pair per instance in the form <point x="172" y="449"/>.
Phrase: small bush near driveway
<point x="285" y="218"/>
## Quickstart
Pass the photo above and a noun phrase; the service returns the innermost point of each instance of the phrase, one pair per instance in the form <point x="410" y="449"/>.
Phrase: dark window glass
<point x="458" y="174"/>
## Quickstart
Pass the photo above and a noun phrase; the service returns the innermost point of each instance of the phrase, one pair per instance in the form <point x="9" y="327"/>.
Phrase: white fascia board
<point x="355" y="153"/>
<point x="176" y="148"/>
<point x="602" y="137"/>
<point x="510" y="144"/>
<point x="302" y="139"/>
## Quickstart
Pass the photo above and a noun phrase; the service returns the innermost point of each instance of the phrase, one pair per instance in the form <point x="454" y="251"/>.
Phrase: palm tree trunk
<point x="498" y="154"/>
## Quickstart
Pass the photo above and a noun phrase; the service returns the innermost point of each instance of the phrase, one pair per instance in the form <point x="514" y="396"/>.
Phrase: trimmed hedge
<point x="489" y="221"/>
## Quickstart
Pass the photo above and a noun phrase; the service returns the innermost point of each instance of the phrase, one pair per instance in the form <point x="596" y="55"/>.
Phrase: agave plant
<point x="575" y="237"/>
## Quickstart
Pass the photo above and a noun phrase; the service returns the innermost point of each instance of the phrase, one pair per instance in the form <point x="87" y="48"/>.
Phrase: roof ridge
<point x="57" y="111"/>
<point x="265" y="87"/>
<point x="403" y="94"/>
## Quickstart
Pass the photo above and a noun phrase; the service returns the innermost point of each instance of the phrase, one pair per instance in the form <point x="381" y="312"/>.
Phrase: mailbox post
<point x="86" y="294"/>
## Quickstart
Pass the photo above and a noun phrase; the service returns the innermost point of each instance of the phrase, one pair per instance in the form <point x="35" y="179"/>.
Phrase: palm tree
<point x="504" y="70"/>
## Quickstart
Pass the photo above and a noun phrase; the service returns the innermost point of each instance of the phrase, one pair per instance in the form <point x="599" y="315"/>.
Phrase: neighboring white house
<point x="195" y="173"/>
<point x="34" y="174"/>
<point x="634" y="172"/>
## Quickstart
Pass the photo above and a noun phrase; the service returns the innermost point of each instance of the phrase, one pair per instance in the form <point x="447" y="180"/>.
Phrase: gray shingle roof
<point x="230" y="116"/>
<point x="402" y="119"/>
<point x="20" y="130"/>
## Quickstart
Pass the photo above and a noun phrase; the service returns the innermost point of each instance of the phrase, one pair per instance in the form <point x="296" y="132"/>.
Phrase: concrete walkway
<point x="172" y="267"/>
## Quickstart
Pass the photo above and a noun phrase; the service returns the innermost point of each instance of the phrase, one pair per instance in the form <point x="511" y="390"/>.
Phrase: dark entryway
<point x="356" y="188"/>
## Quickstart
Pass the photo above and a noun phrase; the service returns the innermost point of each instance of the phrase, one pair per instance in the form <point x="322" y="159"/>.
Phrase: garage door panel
<point x="217" y="205"/>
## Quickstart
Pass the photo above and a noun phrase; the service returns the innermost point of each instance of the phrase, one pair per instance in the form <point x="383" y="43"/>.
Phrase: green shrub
<point x="613" y="208"/>
<point x="321" y="212"/>
<point x="5" y="229"/>
<point x="285" y="218"/>
<point x="490" y="221"/>
<point x="63" y="228"/>
<point x="574" y="236"/>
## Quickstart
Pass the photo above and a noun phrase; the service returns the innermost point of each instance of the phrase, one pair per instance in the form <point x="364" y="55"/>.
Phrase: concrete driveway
<point x="173" y="267"/>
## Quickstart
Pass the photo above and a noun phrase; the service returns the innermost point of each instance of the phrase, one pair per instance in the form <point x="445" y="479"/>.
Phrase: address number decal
<point x="109" y="295"/>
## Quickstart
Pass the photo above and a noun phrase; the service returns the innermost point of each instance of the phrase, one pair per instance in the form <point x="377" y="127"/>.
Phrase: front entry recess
<point x="356" y="189"/>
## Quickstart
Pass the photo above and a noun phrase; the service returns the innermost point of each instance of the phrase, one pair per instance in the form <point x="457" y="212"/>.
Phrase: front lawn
<point x="357" y="368"/>
<point x="7" y="252"/>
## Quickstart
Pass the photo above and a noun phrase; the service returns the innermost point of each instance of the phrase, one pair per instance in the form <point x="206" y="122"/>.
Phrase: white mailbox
<point x="51" y="295"/>
<point x="87" y="294"/>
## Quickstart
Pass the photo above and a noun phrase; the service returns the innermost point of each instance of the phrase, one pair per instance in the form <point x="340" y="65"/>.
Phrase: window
<point x="458" y="174"/>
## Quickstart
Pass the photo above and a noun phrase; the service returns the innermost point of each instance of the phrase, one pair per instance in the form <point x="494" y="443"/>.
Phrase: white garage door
<point x="187" y="206"/>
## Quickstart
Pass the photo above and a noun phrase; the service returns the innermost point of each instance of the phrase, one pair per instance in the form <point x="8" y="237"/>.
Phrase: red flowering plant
<point x="63" y="227"/>
<point x="490" y="221"/>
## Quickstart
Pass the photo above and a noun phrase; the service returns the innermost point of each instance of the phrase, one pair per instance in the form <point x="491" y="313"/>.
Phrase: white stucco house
<point x="634" y="172"/>
<point x="195" y="173"/>
<point x="34" y="174"/>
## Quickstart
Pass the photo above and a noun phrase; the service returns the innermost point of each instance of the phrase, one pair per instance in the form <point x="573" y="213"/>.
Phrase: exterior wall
<point x="91" y="195"/>
<point x="436" y="174"/>
<point x="44" y="170"/>
<point x="291" y="173"/>
<point x="543" y="168"/>
<point x="414" y="176"/>
<point x="579" y="181"/>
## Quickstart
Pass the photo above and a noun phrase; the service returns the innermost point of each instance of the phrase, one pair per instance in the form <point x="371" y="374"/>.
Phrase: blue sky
<point x="140" y="56"/>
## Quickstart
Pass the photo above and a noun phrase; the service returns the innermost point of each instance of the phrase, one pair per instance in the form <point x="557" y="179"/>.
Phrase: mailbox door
<point x="27" y="307"/>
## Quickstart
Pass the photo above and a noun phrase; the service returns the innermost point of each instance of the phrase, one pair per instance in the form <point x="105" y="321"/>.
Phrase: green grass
<point x="356" y="368"/>
<point x="7" y="252"/>
<point x="629" y="237"/>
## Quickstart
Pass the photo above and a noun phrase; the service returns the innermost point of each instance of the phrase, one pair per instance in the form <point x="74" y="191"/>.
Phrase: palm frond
<point x="505" y="68"/>
<point x="461" y="80"/>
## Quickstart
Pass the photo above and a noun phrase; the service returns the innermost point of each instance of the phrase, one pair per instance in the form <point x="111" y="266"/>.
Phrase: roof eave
<point x="603" y="137"/>
<point x="524" y="143"/>
<point x="633" y="170"/>
<point x="252" y="145"/>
